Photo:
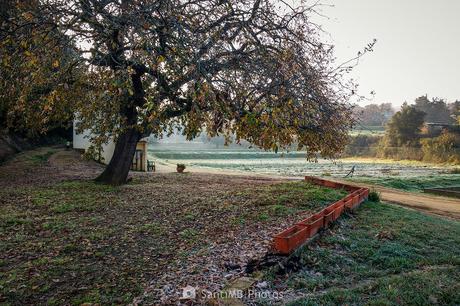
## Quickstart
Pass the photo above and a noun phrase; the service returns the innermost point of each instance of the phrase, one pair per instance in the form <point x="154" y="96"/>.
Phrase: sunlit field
<point x="290" y="164"/>
<point x="368" y="130"/>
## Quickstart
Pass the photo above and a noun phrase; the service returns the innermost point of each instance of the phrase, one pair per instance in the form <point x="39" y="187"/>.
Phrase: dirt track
<point x="438" y="205"/>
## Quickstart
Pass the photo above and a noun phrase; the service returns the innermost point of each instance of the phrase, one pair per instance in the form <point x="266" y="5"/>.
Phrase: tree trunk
<point x="116" y="172"/>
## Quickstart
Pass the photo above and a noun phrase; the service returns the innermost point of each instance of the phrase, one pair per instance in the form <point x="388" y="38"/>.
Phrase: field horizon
<point x="294" y="163"/>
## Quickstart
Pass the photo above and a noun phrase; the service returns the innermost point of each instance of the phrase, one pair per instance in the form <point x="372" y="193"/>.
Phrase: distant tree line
<point x="436" y="111"/>
<point x="374" y="114"/>
<point x="427" y="130"/>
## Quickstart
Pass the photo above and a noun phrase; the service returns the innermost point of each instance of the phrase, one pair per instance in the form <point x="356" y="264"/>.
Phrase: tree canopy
<point x="374" y="114"/>
<point x="436" y="110"/>
<point x="455" y="111"/>
<point x="404" y="127"/>
<point x="254" y="69"/>
<point x="40" y="77"/>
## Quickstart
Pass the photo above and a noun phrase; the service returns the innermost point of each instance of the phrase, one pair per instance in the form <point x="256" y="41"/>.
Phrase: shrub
<point x="180" y="168"/>
<point x="362" y="145"/>
<point x="444" y="148"/>
<point x="374" y="196"/>
<point x="400" y="153"/>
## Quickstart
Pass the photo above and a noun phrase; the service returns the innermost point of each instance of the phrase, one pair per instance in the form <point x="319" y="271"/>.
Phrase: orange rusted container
<point x="333" y="212"/>
<point x="349" y="203"/>
<point x="341" y="186"/>
<point x="338" y="210"/>
<point x="365" y="193"/>
<point x="350" y="188"/>
<point x="338" y="203"/>
<point x="290" y="239"/>
<point x="356" y="200"/>
<point x="329" y="184"/>
<point x="348" y="197"/>
<point x="328" y="216"/>
<point x="314" y="223"/>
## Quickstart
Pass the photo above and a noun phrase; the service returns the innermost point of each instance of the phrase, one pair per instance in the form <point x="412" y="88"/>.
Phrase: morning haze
<point x="210" y="152"/>
<point x="417" y="51"/>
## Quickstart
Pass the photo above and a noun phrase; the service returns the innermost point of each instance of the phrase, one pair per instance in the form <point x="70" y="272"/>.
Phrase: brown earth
<point x="432" y="204"/>
<point x="67" y="240"/>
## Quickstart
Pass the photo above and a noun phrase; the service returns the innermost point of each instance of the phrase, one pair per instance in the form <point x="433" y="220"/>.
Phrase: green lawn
<point x="415" y="184"/>
<point x="289" y="198"/>
<point x="382" y="255"/>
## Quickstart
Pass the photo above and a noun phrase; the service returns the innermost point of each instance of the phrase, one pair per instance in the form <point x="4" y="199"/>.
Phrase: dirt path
<point x="444" y="206"/>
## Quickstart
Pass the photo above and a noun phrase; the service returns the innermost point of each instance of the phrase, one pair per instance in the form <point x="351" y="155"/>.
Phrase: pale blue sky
<point x="418" y="48"/>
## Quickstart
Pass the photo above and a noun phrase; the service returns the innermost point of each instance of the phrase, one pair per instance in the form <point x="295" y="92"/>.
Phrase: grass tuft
<point x="374" y="196"/>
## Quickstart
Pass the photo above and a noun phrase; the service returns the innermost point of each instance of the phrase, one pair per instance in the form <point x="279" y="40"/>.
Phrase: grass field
<point x="368" y="131"/>
<point x="67" y="240"/>
<point x="416" y="184"/>
<point x="382" y="255"/>
<point x="289" y="164"/>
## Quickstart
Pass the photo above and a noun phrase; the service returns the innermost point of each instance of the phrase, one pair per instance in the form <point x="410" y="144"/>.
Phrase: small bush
<point x="362" y="145"/>
<point x="180" y="168"/>
<point x="441" y="149"/>
<point x="374" y="196"/>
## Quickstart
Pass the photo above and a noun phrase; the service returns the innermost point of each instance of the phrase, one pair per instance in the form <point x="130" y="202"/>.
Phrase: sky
<point x="417" y="50"/>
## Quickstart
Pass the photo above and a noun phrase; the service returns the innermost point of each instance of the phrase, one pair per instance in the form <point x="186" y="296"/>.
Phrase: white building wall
<point x="107" y="151"/>
<point x="82" y="142"/>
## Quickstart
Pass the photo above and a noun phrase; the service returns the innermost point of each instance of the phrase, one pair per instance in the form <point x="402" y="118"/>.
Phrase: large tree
<point x="436" y="110"/>
<point x="40" y="75"/>
<point x="374" y="114"/>
<point x="404" y="127"/>
<point x="251" y="69"/>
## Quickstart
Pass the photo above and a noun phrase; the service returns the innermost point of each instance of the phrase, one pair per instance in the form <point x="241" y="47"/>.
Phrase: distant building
<point x="436" y="128"/>
<point x="82" y="142"/>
